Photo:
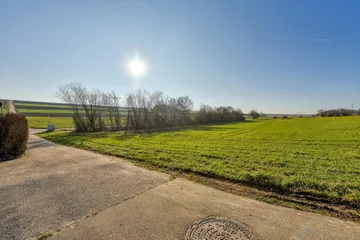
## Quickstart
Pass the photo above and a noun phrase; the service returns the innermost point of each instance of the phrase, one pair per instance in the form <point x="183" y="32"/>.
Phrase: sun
<point x="137" y="67"/>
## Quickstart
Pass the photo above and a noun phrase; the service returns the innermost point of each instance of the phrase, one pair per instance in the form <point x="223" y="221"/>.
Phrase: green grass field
<point x="315" y="156"/>
<point x="60" y="122"/>
<point x="45" y="111"/>
<point x="24" y="105"/>
<point x="5" y="107"/>
<point x="42" y="122"/>
<point x="41" y="110"/>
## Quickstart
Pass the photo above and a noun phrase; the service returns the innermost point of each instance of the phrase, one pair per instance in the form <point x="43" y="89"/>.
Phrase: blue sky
<point x="273" y="56"/>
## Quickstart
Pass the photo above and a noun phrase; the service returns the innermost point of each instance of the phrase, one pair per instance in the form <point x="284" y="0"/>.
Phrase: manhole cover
<point x="215" y="228"/>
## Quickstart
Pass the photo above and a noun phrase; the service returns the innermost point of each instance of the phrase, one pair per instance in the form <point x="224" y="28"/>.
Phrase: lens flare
<point x="137" y="67"/>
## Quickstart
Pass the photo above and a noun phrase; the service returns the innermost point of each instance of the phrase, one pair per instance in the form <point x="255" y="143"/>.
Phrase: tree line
<point x="95" y="110"/>
<point x="338" y="112"/>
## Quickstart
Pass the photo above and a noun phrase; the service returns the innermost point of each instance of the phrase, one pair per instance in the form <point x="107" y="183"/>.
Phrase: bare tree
<point x="115" y="102"/>
<point x="159" y="109"/>
<point x="73" y="95"/>
<point x="110" y="103"/>
<point x="155" y="110"/>
<point x="91" y="108"/>
<point x="184" y="106"/>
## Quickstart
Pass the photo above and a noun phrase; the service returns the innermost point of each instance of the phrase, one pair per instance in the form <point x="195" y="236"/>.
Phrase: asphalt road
<point x="76" y="194"/>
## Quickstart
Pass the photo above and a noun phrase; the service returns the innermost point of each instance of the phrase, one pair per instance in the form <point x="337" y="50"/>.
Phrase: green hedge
<point x="14" y="133"/>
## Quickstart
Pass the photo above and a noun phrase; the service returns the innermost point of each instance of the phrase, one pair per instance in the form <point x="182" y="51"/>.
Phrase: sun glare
<point x="137" y="67"/>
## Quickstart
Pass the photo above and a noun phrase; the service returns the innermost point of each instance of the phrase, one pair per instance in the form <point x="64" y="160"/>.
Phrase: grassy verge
<point x="315" y="159"/>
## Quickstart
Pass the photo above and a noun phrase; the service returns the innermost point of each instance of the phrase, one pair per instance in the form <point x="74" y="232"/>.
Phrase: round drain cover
<point x="216" y="228"/>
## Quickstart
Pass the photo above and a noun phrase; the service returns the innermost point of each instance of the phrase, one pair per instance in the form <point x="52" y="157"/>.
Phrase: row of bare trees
<point x="155" y="110"/>
<point x="95" y="110"/>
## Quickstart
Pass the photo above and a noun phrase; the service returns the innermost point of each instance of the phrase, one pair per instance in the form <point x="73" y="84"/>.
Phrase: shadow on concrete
<point x="39" y="144"/>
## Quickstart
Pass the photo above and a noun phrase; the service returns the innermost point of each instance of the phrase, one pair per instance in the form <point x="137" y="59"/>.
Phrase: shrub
<point x="209" y="115"/>
<point x="254" y="114"/>
<point x="14" y="133"/>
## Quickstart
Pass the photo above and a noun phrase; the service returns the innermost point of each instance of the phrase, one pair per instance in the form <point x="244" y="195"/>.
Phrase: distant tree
<point x="320" y="112"/>
<point x="254" y="114"/>
<point x="208" y="114"/>
<point x="337" y="112"/>
<point x="264" y="115"/>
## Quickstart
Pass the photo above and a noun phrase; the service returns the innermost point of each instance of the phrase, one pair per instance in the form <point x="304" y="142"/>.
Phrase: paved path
<point x="54" y="187"/>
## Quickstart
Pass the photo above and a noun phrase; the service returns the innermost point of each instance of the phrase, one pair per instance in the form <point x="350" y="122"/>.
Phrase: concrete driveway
<point x="78" y="194"/>
<point x="52" y="185"/>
